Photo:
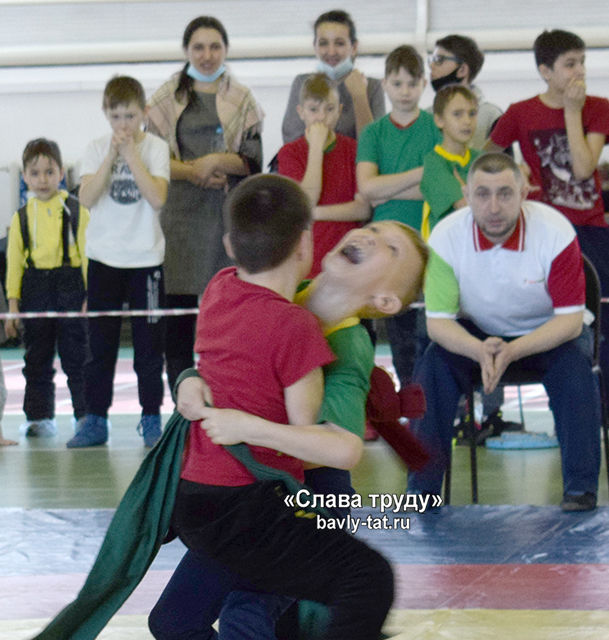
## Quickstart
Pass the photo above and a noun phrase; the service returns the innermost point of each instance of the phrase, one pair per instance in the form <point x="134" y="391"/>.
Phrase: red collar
<point x="402" y="126"/>
<point x="514" y="243"/>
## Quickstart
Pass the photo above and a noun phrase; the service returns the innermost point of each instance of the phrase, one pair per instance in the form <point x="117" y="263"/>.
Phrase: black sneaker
<point x="582" y="502"/>
<point x="497" y="425"/>
<point x="462" y="439"/>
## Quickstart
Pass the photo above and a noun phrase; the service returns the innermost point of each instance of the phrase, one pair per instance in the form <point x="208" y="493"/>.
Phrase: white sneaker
<point x="44" y="428"/>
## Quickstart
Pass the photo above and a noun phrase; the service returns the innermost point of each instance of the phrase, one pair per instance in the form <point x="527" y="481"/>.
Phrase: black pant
<point x="408" y="340"/>
<point x="251" y="532"/>
<point x="60" y="289"/>
<point x="180" y="339"/>
<point x="108" y="289"/>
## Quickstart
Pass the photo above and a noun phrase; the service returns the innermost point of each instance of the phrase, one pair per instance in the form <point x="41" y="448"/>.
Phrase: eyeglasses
<point x="438" y="58"/>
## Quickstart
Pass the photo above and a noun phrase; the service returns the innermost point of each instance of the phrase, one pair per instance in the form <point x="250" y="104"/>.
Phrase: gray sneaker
<point x="44" y="428"/>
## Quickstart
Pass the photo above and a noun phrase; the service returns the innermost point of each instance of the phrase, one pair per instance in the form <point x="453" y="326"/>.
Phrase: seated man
<point x="505" y="285"/>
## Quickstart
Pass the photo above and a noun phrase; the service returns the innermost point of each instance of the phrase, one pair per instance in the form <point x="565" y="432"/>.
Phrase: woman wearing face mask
<point x="362" y="98"/>
<point x="212" y="125"/>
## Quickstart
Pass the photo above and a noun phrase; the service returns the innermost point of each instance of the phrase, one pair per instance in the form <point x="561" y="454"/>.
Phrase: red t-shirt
<point x="252" y="343"/>
<point x="338" y="185"/>
<point x="541" y="133"/>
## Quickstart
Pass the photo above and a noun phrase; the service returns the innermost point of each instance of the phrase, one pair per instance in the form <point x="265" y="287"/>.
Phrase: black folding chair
<point x="517" y="377"/>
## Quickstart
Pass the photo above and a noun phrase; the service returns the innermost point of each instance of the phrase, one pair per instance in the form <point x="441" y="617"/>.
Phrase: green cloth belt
<point x="135" y="535"/>
<point x="137" y="531"/>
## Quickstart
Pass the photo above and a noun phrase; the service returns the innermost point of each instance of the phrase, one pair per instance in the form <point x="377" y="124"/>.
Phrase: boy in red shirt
<point x="323" y="162"/>
<point x="561" y="134"/>
<point x="262" y="353"/>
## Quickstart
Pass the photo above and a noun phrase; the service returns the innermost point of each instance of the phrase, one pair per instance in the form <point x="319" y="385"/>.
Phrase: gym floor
<point x="512" y="567"/>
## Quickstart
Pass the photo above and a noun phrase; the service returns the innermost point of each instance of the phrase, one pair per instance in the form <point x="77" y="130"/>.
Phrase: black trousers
<point x="180" y="339"/>
<point x="251" y="532"/>
<point x="60" y="289"/>
<point x="108" y="289"/>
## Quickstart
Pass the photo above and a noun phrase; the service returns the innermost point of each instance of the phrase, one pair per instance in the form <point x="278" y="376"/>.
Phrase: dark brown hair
<point x="265" y="216"/>
<point x="41" y="147"/>
<point x="336" y="15"/>
<point x="465" y="50"/>
<point x="551" y="44"/>
<point x="405" y="57"/>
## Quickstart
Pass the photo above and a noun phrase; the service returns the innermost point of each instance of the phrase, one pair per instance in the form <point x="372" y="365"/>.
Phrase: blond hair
<point x="410" y="290"/>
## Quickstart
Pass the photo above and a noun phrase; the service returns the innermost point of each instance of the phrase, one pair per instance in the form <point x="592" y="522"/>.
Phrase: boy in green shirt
<point x="390" y="151"/>
<point x="455" y="109"/>
<point x="390" y="155"/>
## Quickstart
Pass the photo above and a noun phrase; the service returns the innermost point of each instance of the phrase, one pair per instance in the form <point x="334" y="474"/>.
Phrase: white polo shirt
<point x="508" y="289"/>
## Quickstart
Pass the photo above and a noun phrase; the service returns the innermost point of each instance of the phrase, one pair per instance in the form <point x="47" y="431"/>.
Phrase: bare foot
<point x="6" y="443"/>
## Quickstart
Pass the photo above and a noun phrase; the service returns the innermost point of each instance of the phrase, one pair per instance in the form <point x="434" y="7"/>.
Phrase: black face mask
<point x="450" y="78"/>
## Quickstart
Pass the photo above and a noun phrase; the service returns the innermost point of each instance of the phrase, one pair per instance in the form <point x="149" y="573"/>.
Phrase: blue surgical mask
<point x="195" y="74"/>
<point x="339" y="71"/>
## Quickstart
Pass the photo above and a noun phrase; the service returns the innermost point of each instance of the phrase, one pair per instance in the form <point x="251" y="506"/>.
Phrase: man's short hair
<point x="264" y="217"/>
<point x="316" y="87"/>
<point x="466" y="50"/>
<point x="41" y="147"/>
<point x="123" y="90"/>
<point x="494" y="163"/>
<point x="340" y="16"/>
<point x="405" y="57"/>
<point x="551" y="44"/>
<point x="447" y="93"/>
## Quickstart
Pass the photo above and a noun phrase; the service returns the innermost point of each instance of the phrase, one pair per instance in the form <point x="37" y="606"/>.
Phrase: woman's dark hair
<point x="184" y="89"/>
<point x="340" y="16"/>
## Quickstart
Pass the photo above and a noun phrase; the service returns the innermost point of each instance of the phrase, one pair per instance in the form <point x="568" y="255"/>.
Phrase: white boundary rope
<point x="126" y="313"/>
<point x="29" y="315"/>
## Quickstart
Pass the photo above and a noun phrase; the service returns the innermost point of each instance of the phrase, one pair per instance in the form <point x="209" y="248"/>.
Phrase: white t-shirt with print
<point x="125" y="230"/>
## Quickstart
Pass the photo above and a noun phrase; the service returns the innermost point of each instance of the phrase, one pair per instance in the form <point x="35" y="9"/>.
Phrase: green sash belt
<point x="136" y="532"/>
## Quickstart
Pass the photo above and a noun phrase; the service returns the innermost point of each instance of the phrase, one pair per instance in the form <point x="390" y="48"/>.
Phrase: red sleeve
<point x="292" y="160"/>
<point x="299" y="351"/>
<point x="505" y="130"/>
<point x="596" y="115"/>
<point x="566" y="283"/>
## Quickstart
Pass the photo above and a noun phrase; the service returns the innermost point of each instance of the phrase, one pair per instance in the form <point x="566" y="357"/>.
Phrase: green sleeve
<point x="439" y="186"/>
<point x="441" y="288"/>
<point x="347" y="379"/>
<point x="366" y="145"/>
